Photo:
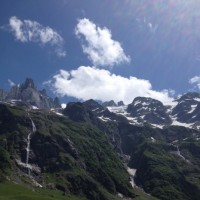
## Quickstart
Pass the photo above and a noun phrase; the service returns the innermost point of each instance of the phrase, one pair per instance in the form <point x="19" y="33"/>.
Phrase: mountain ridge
<point x="28" y="93"/>
<point x="108" y="151"/>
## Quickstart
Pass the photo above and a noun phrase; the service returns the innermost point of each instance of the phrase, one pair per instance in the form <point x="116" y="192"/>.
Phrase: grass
<point x="11" y="191"/>
<point x="141" y="195"/>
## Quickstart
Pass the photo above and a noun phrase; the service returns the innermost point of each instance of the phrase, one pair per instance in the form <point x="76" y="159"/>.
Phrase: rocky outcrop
<point x="120" y="103"/>
<point x="28" y="94"/>
<point x="187" y="108"/>
<point x="109" y="104"/>
<point x="149" y="110"/>
<point x="78" y="112"/>
<point x="2" y="94"/>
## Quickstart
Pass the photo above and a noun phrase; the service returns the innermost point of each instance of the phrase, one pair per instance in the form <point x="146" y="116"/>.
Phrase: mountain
<point x="109" y="103"/>
<point x="149" y="110"/>
<point x="184" y="111"/>
<point x="187" y="109"/>
<point x="161" y="153"/>
<point x="28" y="94"/>
<point x="46" y="150"/>
<point x="144" y="150"/>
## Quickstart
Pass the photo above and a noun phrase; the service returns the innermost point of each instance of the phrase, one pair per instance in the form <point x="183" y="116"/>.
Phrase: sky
<point x="102" y="49"/>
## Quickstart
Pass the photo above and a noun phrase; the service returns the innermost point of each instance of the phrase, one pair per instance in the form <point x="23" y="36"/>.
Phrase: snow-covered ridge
<point x="171" y="110"/>
<point x="122" y="110"/>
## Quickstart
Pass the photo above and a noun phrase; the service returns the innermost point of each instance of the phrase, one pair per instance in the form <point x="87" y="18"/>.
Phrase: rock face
<point x="78" y="112"/>
<point x="120" y="103"/>
<point x="93" y="105"/>
<point x="109" y="104"/>
<point x="150" y="110"/>
<point x="188" y="108"/>
<point x="184" y="111"/>
<point x="28" y="94"/>
<point x="2" y="94"/>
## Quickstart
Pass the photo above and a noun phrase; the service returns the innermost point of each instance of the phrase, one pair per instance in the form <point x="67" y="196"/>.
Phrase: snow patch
<point x="177" y="123"/>
<point x="121" y="110"/>
<point x="34" y="107"/>
<point x="63" y="105"/>
<point x="57" y="113"/>
<point x="157" y="126"/>
<point x="118" y="109"/>
<point x="197" y="99"/>
<point x="192" y="108"/>
<point x="137" y="102"/>
<point x="105" y="119"/>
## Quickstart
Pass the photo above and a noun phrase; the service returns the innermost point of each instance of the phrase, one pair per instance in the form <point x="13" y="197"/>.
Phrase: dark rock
<point x="120" y="103"/>
<point x="93" y="105"/>
<point x="184" y="111"/>
<point x="109" y="104"/>
<point x="28" y="84"/>
<point x="2" y="94"/>
<point x="78" y="112"/>
<point x="149" y="110"/>
<point x="28" y="93"/>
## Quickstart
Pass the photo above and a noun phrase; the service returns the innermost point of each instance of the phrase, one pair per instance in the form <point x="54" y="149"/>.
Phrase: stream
<point x="180" y="155"/>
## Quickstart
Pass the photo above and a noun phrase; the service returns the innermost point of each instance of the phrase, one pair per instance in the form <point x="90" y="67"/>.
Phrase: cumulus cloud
<point x="98" y="44"/>
<point x="89" y="82"/>
<point x="32" y="31"/>
<point x="195" y="81"/>
<point x="11" y="83"/>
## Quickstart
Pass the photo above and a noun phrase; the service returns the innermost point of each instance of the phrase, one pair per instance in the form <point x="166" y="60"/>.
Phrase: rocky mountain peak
<point x="28" y="94"/>
<point x="147" y="101"/>
<point x="29" y="83"/>
<point x="189" y="96"/>
<point x="43" y="92"/>
<point x="145" y="105"/>
<point x="2" y="94"/>
<point x="110" y="103"/>
<point x="77" y="111"/>
<point x="187" y="108"/>
<point x="93" y="105"/>
<point x="120" y="103"/>
<point x="148" y="110"/>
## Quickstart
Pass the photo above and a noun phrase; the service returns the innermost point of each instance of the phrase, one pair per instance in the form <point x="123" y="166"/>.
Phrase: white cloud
<point x="152" y="27"/>
<point x="16" y="26"/>
<point x="146" y="23"/>
<point x="11" y="83"/>
<point x="196" y="81"/>
<point x="89" y="82"/>
<point x="32" y="31"/>
<point x="98" y="44"/>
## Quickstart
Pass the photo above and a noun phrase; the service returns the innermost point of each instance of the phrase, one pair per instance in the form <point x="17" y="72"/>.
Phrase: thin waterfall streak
<point x="28" y="143"/>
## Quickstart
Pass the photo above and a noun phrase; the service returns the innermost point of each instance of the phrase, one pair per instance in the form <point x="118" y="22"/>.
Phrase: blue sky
<point x="117" y="49"/>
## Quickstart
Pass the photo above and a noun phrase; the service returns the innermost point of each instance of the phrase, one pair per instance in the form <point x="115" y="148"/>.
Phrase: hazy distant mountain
<point x="28" y="94"/>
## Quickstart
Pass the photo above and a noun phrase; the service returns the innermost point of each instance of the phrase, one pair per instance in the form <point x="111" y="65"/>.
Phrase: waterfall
<point x="132" y="173"/>
<point x="28" y="143"/>
<point x="26" y="165"/>
<point x="178" y="151"/>
<point x="180" y="155"/>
